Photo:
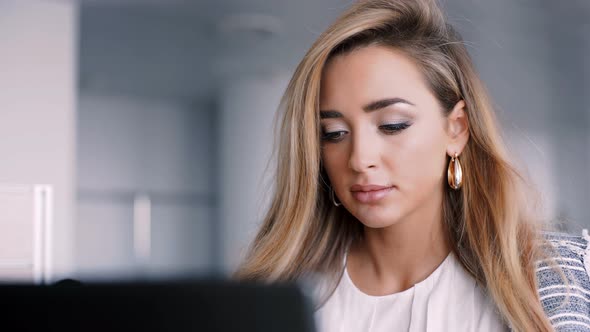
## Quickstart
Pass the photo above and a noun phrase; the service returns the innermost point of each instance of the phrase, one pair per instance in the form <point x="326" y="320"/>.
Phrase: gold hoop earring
<point x="333" y="197"/>
<point x="455" y="173"/>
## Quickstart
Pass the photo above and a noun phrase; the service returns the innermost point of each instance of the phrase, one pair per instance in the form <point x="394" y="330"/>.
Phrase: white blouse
<point x="447" y="300"/>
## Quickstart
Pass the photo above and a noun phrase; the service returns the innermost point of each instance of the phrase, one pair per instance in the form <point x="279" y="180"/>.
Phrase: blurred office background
<point x="152" y="119"/>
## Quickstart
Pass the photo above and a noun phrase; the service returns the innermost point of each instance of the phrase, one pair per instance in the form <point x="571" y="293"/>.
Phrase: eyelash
<point x="394" y="128"/>
<point x="388" y="129"/>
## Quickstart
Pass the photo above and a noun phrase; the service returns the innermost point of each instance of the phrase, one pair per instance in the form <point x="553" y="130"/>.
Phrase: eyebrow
<point x="373" y="106"/>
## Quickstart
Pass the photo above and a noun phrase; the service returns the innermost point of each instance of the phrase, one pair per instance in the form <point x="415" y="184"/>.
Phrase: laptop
<point x="204" y="305"/>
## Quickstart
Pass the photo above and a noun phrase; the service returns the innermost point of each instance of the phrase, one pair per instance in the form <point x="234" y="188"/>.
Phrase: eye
<point x="394" y="128"/>
<point x="334" y="136"/>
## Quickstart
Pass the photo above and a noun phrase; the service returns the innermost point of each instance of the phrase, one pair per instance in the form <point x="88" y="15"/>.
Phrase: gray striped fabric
<point x="567" y="306"/>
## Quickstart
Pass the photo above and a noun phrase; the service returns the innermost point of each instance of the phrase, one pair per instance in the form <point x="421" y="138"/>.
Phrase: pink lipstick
<point x="370" y="193"/>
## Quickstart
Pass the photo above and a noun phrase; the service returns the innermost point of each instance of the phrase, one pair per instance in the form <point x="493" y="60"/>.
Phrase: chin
<point x="375" y="219"/>
<point x="377" y="225"/>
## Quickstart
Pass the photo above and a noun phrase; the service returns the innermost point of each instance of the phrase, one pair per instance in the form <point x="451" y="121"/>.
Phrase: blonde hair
<point x="488" y="223"/>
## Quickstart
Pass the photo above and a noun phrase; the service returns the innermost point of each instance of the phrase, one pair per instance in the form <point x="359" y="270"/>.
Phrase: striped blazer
<point x="567" y="313"/>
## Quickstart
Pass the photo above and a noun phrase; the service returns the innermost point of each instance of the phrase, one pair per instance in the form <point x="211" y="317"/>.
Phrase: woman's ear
<point x="458" y="129"/>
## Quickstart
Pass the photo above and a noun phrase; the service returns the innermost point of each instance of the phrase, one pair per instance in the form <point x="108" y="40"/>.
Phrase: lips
<point x="370" y="193"/>
<point x="368" y="187"/>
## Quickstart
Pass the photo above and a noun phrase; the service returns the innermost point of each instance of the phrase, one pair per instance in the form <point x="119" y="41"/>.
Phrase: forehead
<point x="370" y="73"/>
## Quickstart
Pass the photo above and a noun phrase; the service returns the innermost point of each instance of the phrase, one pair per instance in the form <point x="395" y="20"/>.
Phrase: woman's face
<point x="384" y="136"/>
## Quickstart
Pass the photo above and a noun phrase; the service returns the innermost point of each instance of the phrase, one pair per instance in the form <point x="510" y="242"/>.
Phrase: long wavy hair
<point x="491" y="226"/>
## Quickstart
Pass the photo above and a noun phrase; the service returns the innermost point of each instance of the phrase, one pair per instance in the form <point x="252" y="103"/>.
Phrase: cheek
<point x="422" y="158"/>
<point x="333" y="162"/>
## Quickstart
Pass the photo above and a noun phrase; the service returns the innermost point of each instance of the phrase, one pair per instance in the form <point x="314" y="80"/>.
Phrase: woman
<point x="393" y="186"/>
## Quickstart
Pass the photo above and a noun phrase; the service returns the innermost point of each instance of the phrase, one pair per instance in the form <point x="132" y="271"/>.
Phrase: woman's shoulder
<point x="569" y="252"/>
<point x="567" y="304"/>
<point x="566" y="240"/>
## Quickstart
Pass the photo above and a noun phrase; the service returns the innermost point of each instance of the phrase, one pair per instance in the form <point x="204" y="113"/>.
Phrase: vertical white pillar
<point x="142" y="226"/>
<point x="43" y="234"/>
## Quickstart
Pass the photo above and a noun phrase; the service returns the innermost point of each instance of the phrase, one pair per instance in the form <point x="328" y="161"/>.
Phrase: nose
<point x="364" y="153"/>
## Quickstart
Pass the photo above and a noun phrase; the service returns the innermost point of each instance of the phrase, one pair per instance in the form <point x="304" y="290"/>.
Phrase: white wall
<point x="37" y="107"/>
<point x="569" y="122"/>
<point x="248" y="107"/>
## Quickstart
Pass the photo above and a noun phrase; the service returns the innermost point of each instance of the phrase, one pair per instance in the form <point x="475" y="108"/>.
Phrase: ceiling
<point x="189" y="49"/>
